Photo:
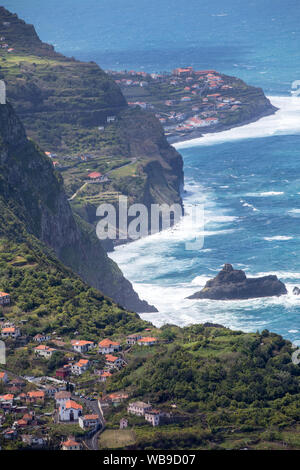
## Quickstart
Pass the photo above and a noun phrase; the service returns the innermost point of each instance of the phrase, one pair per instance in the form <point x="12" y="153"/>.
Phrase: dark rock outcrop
<point x="296" y="290"/>
<point x="232" y="284"/>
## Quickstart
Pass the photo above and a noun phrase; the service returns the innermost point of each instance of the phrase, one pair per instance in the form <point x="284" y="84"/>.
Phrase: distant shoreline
<point x="196" y="134"/>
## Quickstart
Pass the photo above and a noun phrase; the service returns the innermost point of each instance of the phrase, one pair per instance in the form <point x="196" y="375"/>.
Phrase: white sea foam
<point x="294" y="212"/>
<point x="277" y="238"/>
<point x="265" y="194"/>
<point x="285" y="121"/>
<point x="149" y="263"/>
<point x="247" y="204"/>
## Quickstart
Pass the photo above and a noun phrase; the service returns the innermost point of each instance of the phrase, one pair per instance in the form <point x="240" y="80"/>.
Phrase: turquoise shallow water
<point x="248" y="178"/>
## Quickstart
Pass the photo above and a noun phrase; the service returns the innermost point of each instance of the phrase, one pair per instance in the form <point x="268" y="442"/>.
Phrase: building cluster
<point x="3" y="44"/>
<point x="32" y="400"/>
<point x="202" y="97"/>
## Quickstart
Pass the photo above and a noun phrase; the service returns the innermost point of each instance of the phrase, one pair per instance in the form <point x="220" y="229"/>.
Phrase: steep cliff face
<point x="35" y="193"/>
<point x="63" y="102"/>
<point x="160" y="162"/>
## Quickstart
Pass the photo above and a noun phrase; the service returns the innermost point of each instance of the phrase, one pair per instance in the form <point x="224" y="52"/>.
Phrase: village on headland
<point x="69" y="407"/>
<point x="189" y="102"/>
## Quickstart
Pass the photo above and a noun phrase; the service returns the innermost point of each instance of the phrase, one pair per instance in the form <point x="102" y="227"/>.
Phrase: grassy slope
<point x="48" y="295"/>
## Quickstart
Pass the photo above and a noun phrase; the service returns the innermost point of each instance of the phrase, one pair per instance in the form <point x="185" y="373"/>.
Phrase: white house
<point x="41" y="338"/>
<point x="104" y="376"/>
<point x="70" y="444"/>
<point x="70" y="411"/>
<point x="10" y="332"/>
<point x="80" y="367"/>
<point x="82" y="346"/>
<point x="133" y="339"/>
<point x="106" y="346"/>
<point x="61" y="398"/>
<point x="44" y="351"/>
<point x="88" y="421"/>
<point x="4" y="298"/>
<point x="138" y="408"/>
<point x="34" y="440"/>
<point x="147" y="341"/>
<point x="113" y="361"/>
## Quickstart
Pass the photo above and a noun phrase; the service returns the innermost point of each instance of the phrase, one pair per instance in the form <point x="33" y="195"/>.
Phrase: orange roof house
<point x="107" y="346"/>
<point x="82" y="345"/>
<point x="94" y="175"/>
<point x="147" y="341"/>
<point x="70" y="444"/>
<point x="7" y="397"/>
<point x="104" y="376"/>
<point x="110" y="358"/>
<point x="72" y="404"/>
<point x="36" y="395"/>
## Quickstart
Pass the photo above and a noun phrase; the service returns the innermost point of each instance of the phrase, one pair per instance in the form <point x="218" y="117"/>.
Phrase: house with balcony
<point x="106" y="346"/>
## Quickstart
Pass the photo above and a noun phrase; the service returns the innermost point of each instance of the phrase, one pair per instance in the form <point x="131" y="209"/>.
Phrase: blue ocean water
<point x="257" y="40"/>
<point x="248" y="179"/>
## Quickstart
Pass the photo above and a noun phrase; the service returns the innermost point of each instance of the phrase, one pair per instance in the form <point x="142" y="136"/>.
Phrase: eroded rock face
<point x="232" y="284"/>
<point x="31" y="188"/>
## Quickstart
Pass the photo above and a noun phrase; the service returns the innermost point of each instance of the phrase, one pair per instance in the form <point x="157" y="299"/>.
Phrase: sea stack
<point x="232" y="284"/>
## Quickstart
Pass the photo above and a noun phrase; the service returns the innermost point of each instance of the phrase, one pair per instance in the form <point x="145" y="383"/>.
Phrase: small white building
<point x="70" y="411"/>
<point x="70" y="444"/>
<point x="41" y="338"/>
<point x="113" y="361"/>
<point x="10" y="332"/>
<point x="44" y="351"/>
<point x="82" y="346"/>
<point x="123" y="423"/>
<point x="89" y="421"/>
<point x="133" y="339"/>
<point x="80" y="367"/>
<point x="4" y="298"/>
<point x="147" y="341"/>
<point x="62" y="397"/>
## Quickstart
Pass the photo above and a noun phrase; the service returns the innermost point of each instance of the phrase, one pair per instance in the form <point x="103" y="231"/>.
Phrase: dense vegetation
<point x="47" y="295"/>
<point x="224" y="383"/>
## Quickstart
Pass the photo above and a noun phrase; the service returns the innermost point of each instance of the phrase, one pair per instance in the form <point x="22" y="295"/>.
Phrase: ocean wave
<point x="294" y="212"/>
<point x="285" y="121"/>
<point x="265" y="194"/>
<point x="247" y="204"/>
<point x="278" y="237"/>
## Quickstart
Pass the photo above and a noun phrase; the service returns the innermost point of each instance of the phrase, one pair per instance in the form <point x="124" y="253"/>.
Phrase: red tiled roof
<point x="92" y="417"/>
<point x="36" y="394"/>
<point x="147" y="339"/>
<point x="107" y="342"/>
<point x="111" y="358"/>
<point x="73" y="404"/>
<point x="70" y="443"/>
<point x="94" y="175"/>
